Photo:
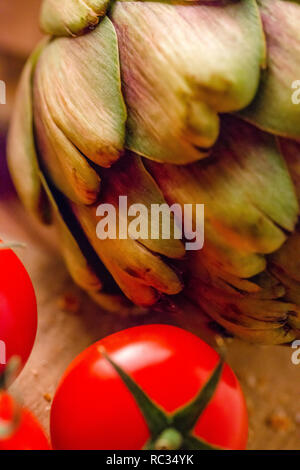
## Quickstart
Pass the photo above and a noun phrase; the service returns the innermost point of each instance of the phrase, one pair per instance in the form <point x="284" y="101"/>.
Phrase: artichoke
<point x="170" y="102"/>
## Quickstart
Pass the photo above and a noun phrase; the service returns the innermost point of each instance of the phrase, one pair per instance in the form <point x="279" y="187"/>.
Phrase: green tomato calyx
<point x="171" y="431"/>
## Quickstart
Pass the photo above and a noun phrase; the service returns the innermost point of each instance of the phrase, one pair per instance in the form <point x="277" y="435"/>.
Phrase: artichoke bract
<point x="170" y="102"/>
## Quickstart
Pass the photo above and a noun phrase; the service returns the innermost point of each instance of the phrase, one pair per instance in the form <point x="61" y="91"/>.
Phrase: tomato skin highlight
<point x="18" y="308"/>
<point x="93" y="409"/>
<point x="28" y="434"/>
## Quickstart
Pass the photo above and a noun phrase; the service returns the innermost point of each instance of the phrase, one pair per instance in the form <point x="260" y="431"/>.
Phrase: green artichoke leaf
<point x="81" y="86"/>
<point x="239" y="324"/>
<point x="81" y="273"/>
<point x="144" y="193"/>
<point x="248" y="195"/>
<point x="291" y="152"/>
<point x="229" y="257"/>
<point x="276" y="107"/>
<point x="285" y="257"/>
<point x="77" y="265"/>
<point x="21" y="153"/>
<point x="71" y="17"/>
<point x="266" y="319"/>
<point x="141" y="274"/>
<point x="182" y="65"/>
<point x="67" y="168"/>
<point x="292" y="289"/>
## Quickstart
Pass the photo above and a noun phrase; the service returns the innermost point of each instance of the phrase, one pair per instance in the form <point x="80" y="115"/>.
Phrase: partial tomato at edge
<point x="18" y="309"/>
<point x="27" y="433"/>
<point x="93" y="409"/>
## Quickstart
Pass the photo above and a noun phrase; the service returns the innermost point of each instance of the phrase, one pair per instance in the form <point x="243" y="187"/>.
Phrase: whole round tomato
<point x="94" y="409"/>
<point x="19" y="429"/>
<point x="18" y="309"/>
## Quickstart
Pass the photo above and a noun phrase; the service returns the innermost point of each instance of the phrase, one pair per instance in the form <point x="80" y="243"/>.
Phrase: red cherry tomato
<point x="93" y="409"/>
<point x="18" y="310"/>
<point x="27" y="434"/>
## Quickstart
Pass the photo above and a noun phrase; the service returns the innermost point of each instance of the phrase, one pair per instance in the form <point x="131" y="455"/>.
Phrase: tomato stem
<point x="170" y="439"/>
<point x="8" y="427"/>
<point x="10" y="372"/>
